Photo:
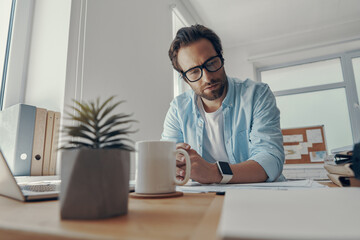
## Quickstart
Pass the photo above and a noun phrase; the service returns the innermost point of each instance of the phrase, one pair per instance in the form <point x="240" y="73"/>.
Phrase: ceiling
<point x="249" y="22"/>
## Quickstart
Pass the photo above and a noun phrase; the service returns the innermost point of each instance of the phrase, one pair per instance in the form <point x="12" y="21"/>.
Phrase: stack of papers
<point x="195" y="187"/>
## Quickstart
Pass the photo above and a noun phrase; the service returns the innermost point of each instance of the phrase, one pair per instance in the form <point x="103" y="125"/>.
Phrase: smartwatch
<point x="225" y="171"/>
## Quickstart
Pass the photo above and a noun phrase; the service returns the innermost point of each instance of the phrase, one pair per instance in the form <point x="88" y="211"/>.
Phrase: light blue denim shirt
<point x="251" y="125"/>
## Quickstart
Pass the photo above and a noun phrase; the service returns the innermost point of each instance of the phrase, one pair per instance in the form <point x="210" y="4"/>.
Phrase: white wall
<point x="46" y="75"/>
<point x="237" y="64"/>
<point x="120" y="47"/>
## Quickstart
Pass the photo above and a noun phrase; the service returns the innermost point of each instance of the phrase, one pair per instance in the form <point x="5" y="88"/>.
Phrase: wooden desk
<point x="193" y="216"/>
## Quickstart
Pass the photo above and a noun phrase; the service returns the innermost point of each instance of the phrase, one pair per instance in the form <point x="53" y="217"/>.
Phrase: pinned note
<point x="304" y="147"/>
<point x="292" y="152"/>
<point x="317" y="156"/>
<point x="314" y="136"/>
<point x="293" y="138"/>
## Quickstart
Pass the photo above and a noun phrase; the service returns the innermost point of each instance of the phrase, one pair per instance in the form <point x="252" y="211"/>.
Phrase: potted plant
<point x="95" y="161"/>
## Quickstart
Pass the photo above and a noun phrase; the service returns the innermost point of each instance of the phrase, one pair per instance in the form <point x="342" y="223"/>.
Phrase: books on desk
<point x="342" y="175"/>
<point x="29" y="139"/>
<point x="344" y="181"/>
<point x="344" y="169"/>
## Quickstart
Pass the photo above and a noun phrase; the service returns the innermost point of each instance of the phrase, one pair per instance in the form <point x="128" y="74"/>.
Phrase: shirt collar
<point x="229" y="98"/>
<point x="195" y="105"/>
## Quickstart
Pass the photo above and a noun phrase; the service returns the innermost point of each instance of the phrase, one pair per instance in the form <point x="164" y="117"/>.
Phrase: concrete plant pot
<point x="94" y="183"/>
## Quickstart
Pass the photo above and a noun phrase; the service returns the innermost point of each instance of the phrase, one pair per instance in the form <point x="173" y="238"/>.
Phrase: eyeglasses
<point x="213" y="64"/>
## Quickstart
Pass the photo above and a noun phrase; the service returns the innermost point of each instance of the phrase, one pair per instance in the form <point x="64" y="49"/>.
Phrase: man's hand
<point x="180" y="161"/>
<point x="201" y="170"/>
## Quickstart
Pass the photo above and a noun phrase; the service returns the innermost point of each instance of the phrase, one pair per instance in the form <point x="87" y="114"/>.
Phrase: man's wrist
<point x="217" y="174"/>
<point x="225" y="171"/>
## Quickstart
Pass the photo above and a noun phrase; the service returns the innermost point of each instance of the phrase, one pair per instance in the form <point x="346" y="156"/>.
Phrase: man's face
<point x="211" y="86"/>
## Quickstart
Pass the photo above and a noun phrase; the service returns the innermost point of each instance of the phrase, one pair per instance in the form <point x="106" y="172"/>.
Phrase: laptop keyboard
<point x="41" y="186"/>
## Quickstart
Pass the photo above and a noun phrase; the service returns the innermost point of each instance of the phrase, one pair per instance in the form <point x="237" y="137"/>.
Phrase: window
<point x="318" y="92"/>
<point x="305" y="75"/>
<point x="6" y="16"/>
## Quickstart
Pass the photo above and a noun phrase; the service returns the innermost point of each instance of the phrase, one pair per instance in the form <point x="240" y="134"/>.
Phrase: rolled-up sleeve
<point x="266" y="140"/>
<point x="172" y="128"/>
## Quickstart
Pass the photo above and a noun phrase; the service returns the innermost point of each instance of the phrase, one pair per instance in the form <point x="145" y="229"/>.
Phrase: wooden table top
<point x="192" y="216"/>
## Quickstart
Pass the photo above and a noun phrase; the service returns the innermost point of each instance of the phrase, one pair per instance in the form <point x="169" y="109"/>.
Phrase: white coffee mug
<point x="156" y="167"/>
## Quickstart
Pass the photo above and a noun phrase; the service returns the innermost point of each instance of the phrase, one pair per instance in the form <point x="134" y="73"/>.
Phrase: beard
<point x="216" y="93"/>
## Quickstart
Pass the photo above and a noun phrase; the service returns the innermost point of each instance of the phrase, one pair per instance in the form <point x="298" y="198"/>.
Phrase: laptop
<point x="27" y="188"/>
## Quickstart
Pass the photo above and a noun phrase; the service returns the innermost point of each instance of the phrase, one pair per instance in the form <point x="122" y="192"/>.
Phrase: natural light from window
<point x="5" y="12"/>
<point x="305" y="75"/>
<point x="328" y="108"/>
<point x="313" y="94"/>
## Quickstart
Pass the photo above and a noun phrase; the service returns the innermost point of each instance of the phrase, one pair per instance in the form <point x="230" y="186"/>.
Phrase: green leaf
<point x="114" y="118"/>
<point x="105" y="103"/>
<point x="114" y="140"/>
<point x="84" y="107"/>
<point x="108" y="110"/>
<point x="80" y="119"/>
<point x="113" y="124"/>
<point x="82" y="128"/>
<point x="123" y="131"/>
<point x="79" y="144"/>
<point x="80" y="134"/>
<point x="120" y="146"/>
<point x="82" y="114"/>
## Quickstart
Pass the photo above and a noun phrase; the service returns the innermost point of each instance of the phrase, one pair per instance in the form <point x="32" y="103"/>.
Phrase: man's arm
<point x="205" y="172"/>
<point x="172" y="130"/>
<point x="266" y="141"/>
<point x="248" y="172"/>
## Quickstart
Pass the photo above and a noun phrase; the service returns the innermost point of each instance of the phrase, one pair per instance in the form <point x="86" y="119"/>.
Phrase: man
<point x="230" y="128"/>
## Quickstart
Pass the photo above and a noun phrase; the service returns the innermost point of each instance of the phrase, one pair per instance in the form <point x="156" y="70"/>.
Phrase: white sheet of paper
<point x="292" y="152"/>
<point x="314" y="136"/>
<point x="195" y="187"/>
<point x="300" y="214"/>
<point x="293" y="138"/>
<point x="304" y="148"/>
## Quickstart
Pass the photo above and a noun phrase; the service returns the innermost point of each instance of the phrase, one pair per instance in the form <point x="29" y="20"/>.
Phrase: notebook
<point x="327" y="213"/>
<point x="27" y="188"/>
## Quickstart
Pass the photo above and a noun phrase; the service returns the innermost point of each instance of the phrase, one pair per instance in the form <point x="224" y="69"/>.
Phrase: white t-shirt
<point x="214" y="144"/>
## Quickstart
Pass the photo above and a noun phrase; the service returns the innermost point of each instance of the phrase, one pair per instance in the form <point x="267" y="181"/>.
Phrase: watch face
<point x="225" y="168"/>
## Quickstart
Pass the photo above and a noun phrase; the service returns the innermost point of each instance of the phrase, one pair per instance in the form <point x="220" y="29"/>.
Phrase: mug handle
<point x="188" y="168"/>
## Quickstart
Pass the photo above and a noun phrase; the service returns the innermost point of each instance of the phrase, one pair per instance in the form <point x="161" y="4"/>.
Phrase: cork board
<point x="304" y="145"/>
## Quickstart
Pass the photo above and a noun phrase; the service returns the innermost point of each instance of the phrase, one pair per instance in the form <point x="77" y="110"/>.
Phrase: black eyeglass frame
<point x="202" y="66"/>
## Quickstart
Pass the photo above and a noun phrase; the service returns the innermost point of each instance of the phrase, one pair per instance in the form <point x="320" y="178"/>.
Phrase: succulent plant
<point x="96" y="127"/>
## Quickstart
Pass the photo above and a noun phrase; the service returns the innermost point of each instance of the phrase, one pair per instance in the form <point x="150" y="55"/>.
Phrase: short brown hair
<point x="188" y="35"/>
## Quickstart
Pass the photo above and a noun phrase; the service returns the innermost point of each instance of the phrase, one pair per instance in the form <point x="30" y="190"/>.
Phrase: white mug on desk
<point x="156" y="167"/>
